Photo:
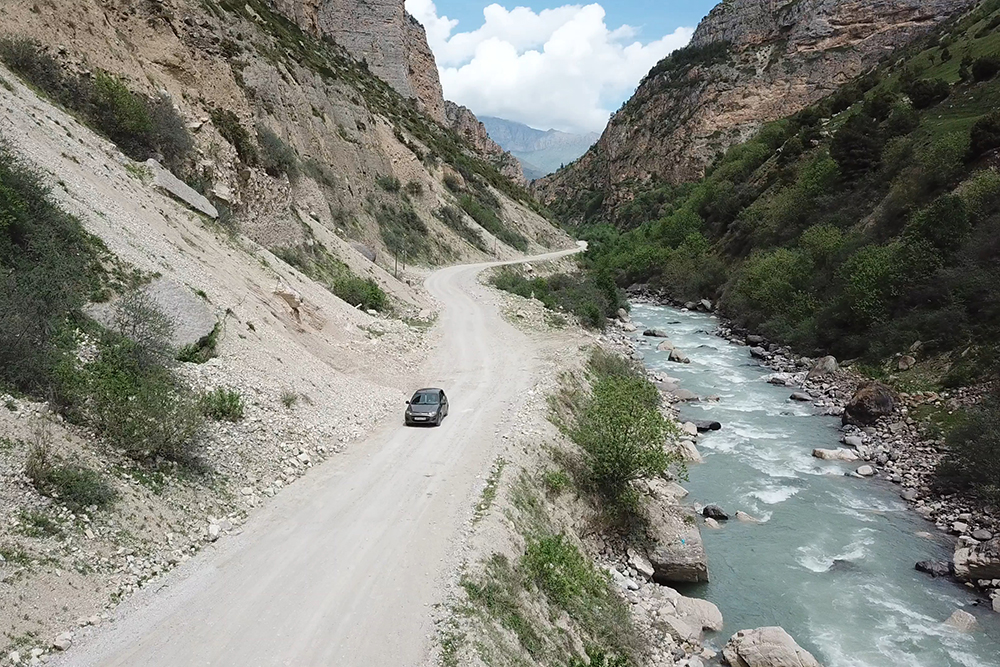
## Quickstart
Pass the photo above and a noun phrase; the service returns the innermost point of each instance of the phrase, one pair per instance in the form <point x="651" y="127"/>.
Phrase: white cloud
<point x="561" y="68"/>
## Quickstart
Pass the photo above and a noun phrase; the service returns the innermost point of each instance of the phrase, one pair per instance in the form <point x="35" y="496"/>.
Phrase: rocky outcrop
<point x="766" y="647"/>
<point x="677" y="553"/>
<point x="465" y="123"/>
<point x="382" y="34"/>
<point x="750" y="62"/>
<point x="981" y="561"/>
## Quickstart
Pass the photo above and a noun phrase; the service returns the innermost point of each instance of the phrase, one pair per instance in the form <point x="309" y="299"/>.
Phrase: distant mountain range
<point x="540" y="152"/>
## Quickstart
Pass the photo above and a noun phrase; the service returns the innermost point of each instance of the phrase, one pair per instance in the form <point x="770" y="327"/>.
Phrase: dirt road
<point x="343" y="568"/>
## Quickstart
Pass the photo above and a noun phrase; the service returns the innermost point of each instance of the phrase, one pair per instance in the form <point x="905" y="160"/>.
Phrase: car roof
<point x="428" y="390"/>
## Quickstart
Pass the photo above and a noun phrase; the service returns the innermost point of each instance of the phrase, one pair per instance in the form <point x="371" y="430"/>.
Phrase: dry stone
<point x="174" y="186"/>
<point x="766" y="647"/>
<point x="678" y="554"/>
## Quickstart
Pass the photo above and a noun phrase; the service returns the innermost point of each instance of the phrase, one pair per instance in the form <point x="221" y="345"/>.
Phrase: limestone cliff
<point x="382" y="34"/>
<point x="750" y="62"/>
<point x="463" y="121"/>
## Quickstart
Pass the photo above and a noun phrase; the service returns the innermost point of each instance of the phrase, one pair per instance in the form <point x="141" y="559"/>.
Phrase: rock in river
<point x="962" y="621"/>
<point x="705" y="426"/>
<point x="835" y="454"/>
<point x="714" y="512"/>
<point x="933" y="568"/>
<point x="677" y="553"/>
<point x="766" y="647"/>
<point x="654" y="333"/>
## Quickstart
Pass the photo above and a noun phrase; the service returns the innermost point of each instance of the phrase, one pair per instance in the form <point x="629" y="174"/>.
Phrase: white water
<point x="833" y="561"/>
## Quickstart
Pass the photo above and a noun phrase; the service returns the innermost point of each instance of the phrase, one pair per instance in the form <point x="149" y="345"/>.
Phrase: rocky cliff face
<point x="750" y="62"/>
<point x="382" y="34"/>
<point x="463" y="121"/>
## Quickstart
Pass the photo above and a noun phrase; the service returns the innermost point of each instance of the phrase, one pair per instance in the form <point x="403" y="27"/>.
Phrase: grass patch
<point x="222" y="404"/>
<point x="972" y="457"/>
<point x="38" y="524"/>
<point x="74" y="486"/>
<point x="403" y="232"/>
<point x="490" y="490"/>
<point x="289" y="398"/>
<point x="276" y="156"/>
<point x="388" y="183"/>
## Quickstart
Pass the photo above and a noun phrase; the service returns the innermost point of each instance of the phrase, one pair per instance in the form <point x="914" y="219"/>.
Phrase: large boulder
<point x="962" y="621"/>
<point x="871" y="402"/>
<point x="823" y="367"/>
<point x="836" y="454"/>
<point x="766" y="647"/>
<point x="166" y="181"/>
<point x="676" y="551"/>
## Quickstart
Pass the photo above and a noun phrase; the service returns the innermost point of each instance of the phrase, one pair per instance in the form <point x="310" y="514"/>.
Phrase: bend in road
<point x="344" y="566"/>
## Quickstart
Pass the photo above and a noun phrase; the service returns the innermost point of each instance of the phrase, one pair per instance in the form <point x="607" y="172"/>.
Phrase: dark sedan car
<point x="428" y="406"/>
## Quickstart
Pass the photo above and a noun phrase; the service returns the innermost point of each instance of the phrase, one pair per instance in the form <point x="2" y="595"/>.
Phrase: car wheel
<point x="439" y="420"/>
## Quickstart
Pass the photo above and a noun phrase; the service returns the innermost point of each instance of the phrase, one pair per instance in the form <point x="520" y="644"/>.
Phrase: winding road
<point x="344" y="567"/>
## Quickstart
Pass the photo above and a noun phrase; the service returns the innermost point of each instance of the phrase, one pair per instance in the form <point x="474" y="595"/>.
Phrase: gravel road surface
<point x="344" y="567"/>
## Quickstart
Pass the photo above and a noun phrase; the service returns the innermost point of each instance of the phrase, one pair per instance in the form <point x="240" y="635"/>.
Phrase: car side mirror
<point x="407" y="402"/>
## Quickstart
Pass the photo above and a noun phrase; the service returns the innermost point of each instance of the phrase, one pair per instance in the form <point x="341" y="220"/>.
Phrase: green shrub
<point x="142" y="127"/>
<point x="222" y="404"/>
<point x="455" y="220"/>
<point x="984" y="135"/>
<point x="229" y="126"/>
<point x="403" y="232"/>
<point x="857" y="146"/>
<point x="289" y="398"/>
<point x="415" y="188"/>
<point x="388" y="183"/>
<point x="453" y="183"/>
<point x="363" y="292"/>
<point x="489" y="221"/>
<point x="49" y="267"/>
<point x="926" y="93"/>
<point x="972" y="462"/>
<point x="985" y="68"/>
<point x="945" y="223"/>
<point x="276" y="156"/>
<point x="74" y="486"/>
<point x="623" y="434"/>
<point x="592" y="298"/>
<point x="981" y="194"/>
<point x="203" y="349"/>
<point x="38" y="524"/>
<point x="146" y="412"/>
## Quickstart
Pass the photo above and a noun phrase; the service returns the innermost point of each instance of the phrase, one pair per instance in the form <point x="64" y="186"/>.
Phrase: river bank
<point x="854" y="530"/>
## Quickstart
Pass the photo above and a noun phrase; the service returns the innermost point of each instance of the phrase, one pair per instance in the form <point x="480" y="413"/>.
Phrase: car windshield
<point x="426" y="399"/>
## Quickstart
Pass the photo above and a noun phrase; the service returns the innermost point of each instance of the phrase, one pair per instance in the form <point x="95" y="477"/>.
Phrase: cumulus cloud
<point x="562" y="68"/>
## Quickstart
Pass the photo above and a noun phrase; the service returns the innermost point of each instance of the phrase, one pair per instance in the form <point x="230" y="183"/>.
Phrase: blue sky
<point x="655" y="18"/>
<point x="551" y="64"/>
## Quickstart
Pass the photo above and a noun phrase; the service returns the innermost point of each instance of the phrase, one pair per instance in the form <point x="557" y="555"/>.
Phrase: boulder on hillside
<point x="677" y="553"/>
<point x="823" y="367"/>
<point x="872" y="401"/>
<point x="166" y="181"/>
<point x="766" y="647"/>
<point x="906" y="363"/>
<point x="367" y="252"/>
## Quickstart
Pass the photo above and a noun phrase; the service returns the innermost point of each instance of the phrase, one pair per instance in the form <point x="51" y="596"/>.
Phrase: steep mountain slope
<point x="472" y="130"/>
<point x="865" y="225"/>
<point x="240" y="72"/>
<point x="542" y="152"/>
<point x="750" y="62"/>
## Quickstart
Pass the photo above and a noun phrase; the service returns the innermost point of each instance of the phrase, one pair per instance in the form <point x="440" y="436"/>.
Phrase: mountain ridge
<point x="541" y="152"/>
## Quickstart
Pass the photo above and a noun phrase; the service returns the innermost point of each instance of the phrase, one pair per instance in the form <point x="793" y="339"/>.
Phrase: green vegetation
<point x="490" y="221"/>
<point x="276" y="156"/>
<point x="142" y="127"/>
<point x="591" y="298"/>
<point x="972" y="460"/>
<point x="403" y="232"/>
<point x="490" y="490"/>
<point x="229" y="126"/>
<point x="314" y="260"/>
<point x="455" y="220"/>
<point x="856" y="227"/>
<point x="222" y="404"/>
<point x="388" y="183"/>
<point x="289" y="398"/>
<point x="204" y="349"/>
<point x="72" y="485"/>
<point x="622" y="432"/>
<point x="38" y="524"/>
